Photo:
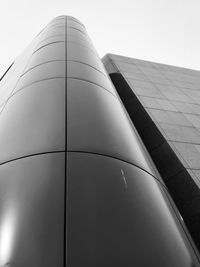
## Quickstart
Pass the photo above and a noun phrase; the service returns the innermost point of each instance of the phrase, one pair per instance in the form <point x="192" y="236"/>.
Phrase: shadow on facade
<point x="180" y="184"/>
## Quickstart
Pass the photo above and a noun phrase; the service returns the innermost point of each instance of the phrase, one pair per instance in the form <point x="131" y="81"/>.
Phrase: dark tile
<point x="166" y="161"/>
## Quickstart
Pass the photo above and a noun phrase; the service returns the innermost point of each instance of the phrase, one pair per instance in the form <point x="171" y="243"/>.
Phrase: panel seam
<point x="116" y="158"/>
<point x="31" y="155"/>
<point x="88" y="81"/>
<point x="51" y="43"/>
<point x="83" y="63"/>
<point x="21" y="89"/>
<point x="65" y="181"/>
<point x="43" y="63"/>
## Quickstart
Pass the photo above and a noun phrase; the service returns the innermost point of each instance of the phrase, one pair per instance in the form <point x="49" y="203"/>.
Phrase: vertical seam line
<point x="65" y="174"/>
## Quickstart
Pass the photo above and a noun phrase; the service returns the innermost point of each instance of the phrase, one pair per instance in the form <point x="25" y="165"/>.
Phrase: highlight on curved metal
<point x="77" y="186"/>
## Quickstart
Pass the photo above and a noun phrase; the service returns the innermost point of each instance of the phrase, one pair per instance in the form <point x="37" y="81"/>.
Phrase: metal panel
<point x="46" y="71"/>
<point x="52" y="31"/>
<point x="55" y="38"/>
<point x="118" y="215"/>
<point x="34" y="120"/>
<point x="81" y="53"/>
<point x="81" y="71"/>
<point x="72" y="38"/>
<point x="79" y="35"/>
<point x="52" y="51"/>
<point x="75" y="24"/>
<point x="98" y="124"/>
<point x="32" y="211"/>
<point x="111" y="213"/>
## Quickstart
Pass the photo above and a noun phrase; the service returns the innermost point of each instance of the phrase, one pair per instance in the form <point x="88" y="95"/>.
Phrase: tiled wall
<point x="164" y="104"/>
<point x="171" y="96"/>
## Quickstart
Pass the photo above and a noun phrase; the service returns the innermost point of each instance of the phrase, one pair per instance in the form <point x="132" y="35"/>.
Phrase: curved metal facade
<point x="77" y="187"/>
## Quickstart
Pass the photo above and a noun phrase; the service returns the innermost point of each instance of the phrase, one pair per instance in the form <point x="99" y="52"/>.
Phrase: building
<point x="164" y="104"/>
<point x="77" y="184"/>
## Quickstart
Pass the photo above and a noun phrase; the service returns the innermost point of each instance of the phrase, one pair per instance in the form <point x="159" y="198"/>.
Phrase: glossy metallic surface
<point x="83" y="71"/>
<point x="49" y="70"/>
<point x="32" y="166"/>
<point x="33" y="121"/>
<point x="31" y="211"/>
<point x="47" y="52"/>
<point x="126" y="218"/>
<point x="85" y="55"/>
<point x="102" y="203"/>
<point x="118" y="211"/>
<point x="98" y="124"/>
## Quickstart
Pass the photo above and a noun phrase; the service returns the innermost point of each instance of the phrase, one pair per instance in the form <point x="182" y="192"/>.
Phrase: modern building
<point x="78" y="187"/>
<point x="164" y="104"/>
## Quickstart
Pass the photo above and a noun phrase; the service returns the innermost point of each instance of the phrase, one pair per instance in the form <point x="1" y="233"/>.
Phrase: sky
<point x="164" y="31"/>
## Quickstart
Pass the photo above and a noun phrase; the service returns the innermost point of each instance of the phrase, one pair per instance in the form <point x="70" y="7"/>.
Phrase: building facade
<point x="164" y="104"/>
<point x="77" y="184"/>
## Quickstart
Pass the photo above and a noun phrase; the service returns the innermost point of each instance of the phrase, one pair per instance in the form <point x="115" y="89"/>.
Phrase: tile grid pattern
<point x="171" y="96"/>
<point x="163" y="103"/>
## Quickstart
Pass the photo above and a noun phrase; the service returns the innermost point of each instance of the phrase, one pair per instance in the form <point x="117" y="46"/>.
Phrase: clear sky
<point x="166" y="31"/>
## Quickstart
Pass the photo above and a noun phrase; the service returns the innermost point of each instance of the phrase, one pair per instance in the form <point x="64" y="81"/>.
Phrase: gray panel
<point x="74" y="24"/>
<point x="7" y="88"/>
<point x="120" y="58"/>
<point x="51" y="39"/>
<point x="55" y="27"/>
<point x="60" y="22"/>
<point x="46" y="71"/>
<point x="143" y="91"/>
<point x="128" y="67"/>
<point x="54" y="51"/>
<point x="32" y="211"/>
<point x="83" y="54"/>
<point x="97" y="123"/>
<point x="190" y="153"/>
<point x="70" y="18"/>
<point x="81" y="41"/>
<point x="81" y="71"/>
<point x="181" y="133"/>
<point x="54" y="30"/>
<point x="143" y="84"/>
<point x="137" y="76"/>
<point x="8" y="83"/>
<point x="34" y="120"/>
<point x="119" y="215"/>
<point x="176" y="116"/>
<point x="51" y="32"/>
<point x="194" y="119"/>
<point x="78" y="35"/>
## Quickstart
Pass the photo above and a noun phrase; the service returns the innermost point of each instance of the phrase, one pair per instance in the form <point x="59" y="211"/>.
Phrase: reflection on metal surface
<point x="32" y="210"/>
<point x="123" y="177"/>
<point x="7" y="233"/>
<point x="106" y="205"/>
<point x="98" y="124"/>
<point x="132" y="227"/>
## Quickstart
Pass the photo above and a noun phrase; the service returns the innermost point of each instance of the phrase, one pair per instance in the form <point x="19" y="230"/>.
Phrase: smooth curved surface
<point x="47" y="52"/>
<point x="33" y="121"/>
<point x="102" y="203"/>
<point x="126" y="219"/>
<point x="31" y="211"/>
<point x="32" y="168"/>
<point x="117" y="212"/>
<point x="96" y="123"/>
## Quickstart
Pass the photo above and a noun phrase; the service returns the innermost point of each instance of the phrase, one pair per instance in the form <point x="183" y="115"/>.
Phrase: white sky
<point x="166" y="31"/>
